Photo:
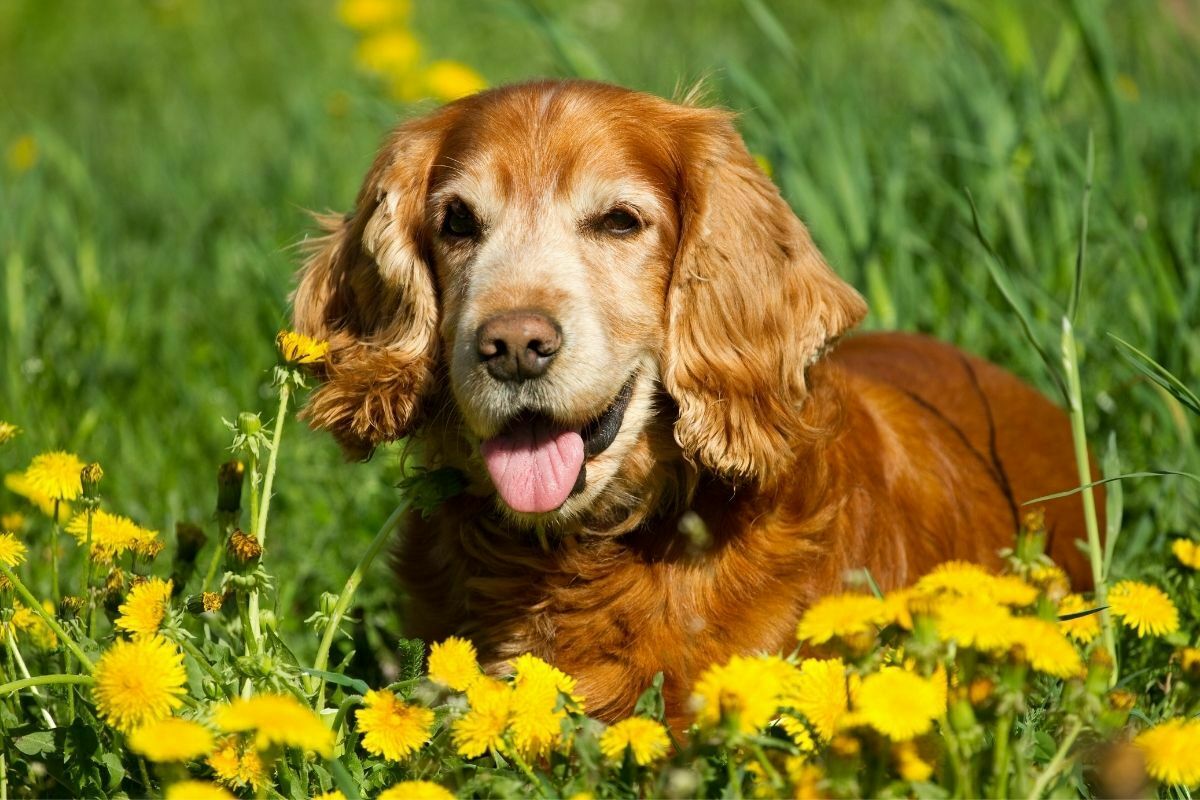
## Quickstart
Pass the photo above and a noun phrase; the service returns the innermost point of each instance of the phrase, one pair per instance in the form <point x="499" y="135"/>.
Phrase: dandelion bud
<point x="189" y="539"/>
<point x="69" y="607"/>
<point x="845" y="746"/>
<point x="1189" y="660"/>
<point x="8" y="432"/>
<point x="962" y="716"/>
<point x="90" y="477"/>
<point x="980" y="690"/>
<point x="229" y="487"/>
<point x="205" y="603"/>
<point x="244" y="548"/>
<point x="1099" y="671"/>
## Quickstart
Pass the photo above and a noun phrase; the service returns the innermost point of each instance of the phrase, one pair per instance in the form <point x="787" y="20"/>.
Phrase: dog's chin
<point x="544" y="474"/>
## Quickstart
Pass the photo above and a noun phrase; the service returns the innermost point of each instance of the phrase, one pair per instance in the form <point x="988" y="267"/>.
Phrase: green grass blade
<point x="1159" y="374"/>
<point x="1081" y="254"/>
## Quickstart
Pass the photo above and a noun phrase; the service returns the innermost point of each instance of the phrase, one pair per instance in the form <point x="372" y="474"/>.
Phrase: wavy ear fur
<point x="752" y="304"/>
<point x="368" y="289"/>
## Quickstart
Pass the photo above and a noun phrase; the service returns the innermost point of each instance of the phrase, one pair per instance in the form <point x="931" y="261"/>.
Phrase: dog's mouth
<point x="536" y="463"/>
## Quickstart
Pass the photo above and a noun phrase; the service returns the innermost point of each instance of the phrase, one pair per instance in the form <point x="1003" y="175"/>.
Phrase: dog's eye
<point x="459" y="222"/>
<point x="619" y="222"/>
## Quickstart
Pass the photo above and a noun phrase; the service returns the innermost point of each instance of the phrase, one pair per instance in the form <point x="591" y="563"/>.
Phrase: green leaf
<point x="650" y="703"/>
<point x="338" y="678"/>
<point x="281" y="649"/>
<point x="1159" y="374"/>
<point x="427" y="489"/>
<point x="114" y="768"/>
<point x="34" y="743"/>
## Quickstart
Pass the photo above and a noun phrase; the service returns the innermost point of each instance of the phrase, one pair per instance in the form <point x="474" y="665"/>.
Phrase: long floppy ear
<point x="368" y="289"/>
<point x="752" y="304"/>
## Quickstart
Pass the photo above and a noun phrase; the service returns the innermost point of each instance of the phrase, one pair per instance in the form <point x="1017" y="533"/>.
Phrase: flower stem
<point x="89" y="621"/>
<point x="1084" y="466"/>
<point x="260" y="521"/>
<point x="54" y="556"/>
<point x="36" y="608"/>
<point x="1056" y="763"/>
<point x="44" y="680"/>
<point x="1000" y="759"/>
<point x="201" y="661"/>
<point x="347" y="594"/>
<point x="526" y="770"/>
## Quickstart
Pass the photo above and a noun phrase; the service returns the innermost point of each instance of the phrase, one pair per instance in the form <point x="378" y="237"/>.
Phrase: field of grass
<point x="161" y="159"/>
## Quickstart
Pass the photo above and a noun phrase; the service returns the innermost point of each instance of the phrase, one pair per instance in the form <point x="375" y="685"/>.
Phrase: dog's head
<point x="553" y="270"/>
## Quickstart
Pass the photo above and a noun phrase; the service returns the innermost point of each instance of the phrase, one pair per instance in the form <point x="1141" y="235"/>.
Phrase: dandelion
<point x="964" y="578"/>
<point x="973" y="621"/>
<point x="112" y="536"/>
<point x="366" y="15"/>
<point x="1189" y="659"/>
<point x="21" y="619"/>
<point x="453" y="663"/>
<point x="18" y="483"/>
<point x="196" y="790"/>
<point x="276" y="719"/>
<point x="909" y="763"/>
<point x="482" y="728"/>
<point x="12" y="521"/>
<point x="12" y="552"/>
<point x="748" y="690"/>
<point x="1170" y="751"/>
<point x="841" y="616"/>
<point x="1144" y="608"/>
<point x="415" y="790"/>
<point x="8" y="432"/>
<point x="1187" y="551"/>
<point x="1082" y="629"/>
<point x="1047" y="649"/>
<point x="795" y="728"/>
<point x="56" y="475"/>
<point x="296" y="348"/>
<point x="236" y="765"/>
<point x="172" y="739"/>
<point x="898" y="703"/>
<point x="805" y="778"/>
<point x="645" y="738"/>
<point x="451" y="80"/>
<point x="392" y="52"/>
<point x="334" y="795"/>
<point x="392" y="728"/>
<point x="820" y="694"/>
<point x="139" y="681"/>
<point x="143" y="610"/>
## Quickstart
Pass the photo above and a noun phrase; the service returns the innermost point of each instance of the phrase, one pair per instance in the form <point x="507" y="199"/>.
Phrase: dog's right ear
<point x="367" y="288"/>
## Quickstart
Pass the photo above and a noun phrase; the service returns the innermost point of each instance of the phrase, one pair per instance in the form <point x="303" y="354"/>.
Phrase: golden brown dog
<point x="594" y="304"/>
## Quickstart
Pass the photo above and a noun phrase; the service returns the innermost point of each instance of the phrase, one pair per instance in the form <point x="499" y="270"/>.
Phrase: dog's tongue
<point x="534" y="465"/>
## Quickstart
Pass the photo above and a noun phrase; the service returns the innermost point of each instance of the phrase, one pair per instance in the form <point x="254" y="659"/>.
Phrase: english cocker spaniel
<point x="594" y="304"/>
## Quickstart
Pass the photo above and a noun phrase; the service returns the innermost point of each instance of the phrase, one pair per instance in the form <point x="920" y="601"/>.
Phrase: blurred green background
<point x="160" y="159"/>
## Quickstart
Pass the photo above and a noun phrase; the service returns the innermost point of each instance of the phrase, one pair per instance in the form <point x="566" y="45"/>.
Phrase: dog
<point x="594" y="304"/>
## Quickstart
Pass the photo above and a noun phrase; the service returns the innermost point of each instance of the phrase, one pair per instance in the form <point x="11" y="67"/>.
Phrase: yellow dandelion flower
<point x="1081" y="629"/>
<point x="1189" y="659"/>
<point x="898" y="703"/>
<point x="296" y="348"/>
<point x="22" y="154"/>
<point x="645" y="738"/>
<point x="144" y="607"/>
<point x="451" y="80"/>
<point x="535" y="724"/>
<point x="392" y="52"/>
<point x="820" y="694"/>
<point x="392" y="728"/>
<point x="482" y="728"/>
<point x="529" y="669"/>
<point x="12" y="552"/>
<point x="276" y="719"/>
<point x="196" y="790"/>
<point x="12" y="521"/>
<point x="841" y="615"/>
<point x="909" y="763"/>
<point x="806" y="778"/>
<point x="112" y="535"/>
<point x="415" y="790"/>
<point x="1144" y="608"/>
<point x="139" y="681"/>
<point x="749" y="690"/>
<point x="453" y="663"/>
<point x="1170" y="751"/>
<point x="1051" y="578"/>
<point x="973" y="621"/>
<point x="21" y="619"/>
<point x="1046" y="647"/>
<point x="236" y="764"/>
<point x="334" y="795"/>
<point x="1187" y="551"/>
<point x="56" y="475"/>
<point x="40" y="632"/>
<point x="18" y="483"/>
<point x="366" y="15"/>
<point x="795" y="728"/>
<point x="172" y="739"/>
<point x="8" y="432"/>
<point x="964" y="578"/>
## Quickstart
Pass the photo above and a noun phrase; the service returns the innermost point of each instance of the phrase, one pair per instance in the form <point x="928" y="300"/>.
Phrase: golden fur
<point x="891" y="452"/>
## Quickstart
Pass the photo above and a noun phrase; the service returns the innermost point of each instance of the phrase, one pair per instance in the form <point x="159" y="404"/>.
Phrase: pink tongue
<point x="534" y="466"/>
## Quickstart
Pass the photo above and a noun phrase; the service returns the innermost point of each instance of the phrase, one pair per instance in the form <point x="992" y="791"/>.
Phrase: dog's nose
<point x="518" y="345"/>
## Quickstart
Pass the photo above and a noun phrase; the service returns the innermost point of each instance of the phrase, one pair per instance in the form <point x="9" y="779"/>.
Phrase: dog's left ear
<point x="752" y="304"/>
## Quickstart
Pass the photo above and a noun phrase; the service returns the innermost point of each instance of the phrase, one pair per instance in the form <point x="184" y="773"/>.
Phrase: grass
<point x="148" y="252"/>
